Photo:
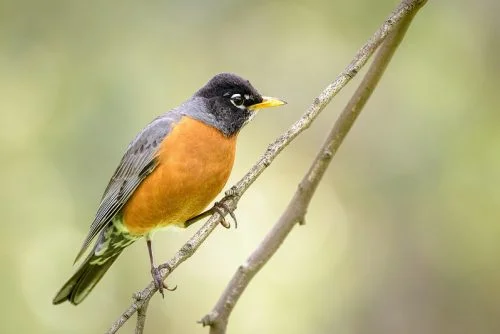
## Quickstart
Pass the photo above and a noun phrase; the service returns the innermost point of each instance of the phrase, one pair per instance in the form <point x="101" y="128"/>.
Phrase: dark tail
<point x="109" y="245"/>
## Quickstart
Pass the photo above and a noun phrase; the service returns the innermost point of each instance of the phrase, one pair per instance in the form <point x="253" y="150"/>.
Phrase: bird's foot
<point x="218" y="207"/>
<point x="158" y="280"/>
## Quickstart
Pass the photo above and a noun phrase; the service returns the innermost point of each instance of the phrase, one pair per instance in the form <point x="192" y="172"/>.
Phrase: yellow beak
<point x="267" y="102"/>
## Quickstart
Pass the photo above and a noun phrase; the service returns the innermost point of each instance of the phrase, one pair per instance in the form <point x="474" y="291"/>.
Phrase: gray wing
<point x="137" y="163"/>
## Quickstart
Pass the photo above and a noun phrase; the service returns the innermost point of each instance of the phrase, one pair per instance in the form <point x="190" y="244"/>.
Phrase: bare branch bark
<point x="319" y="103"/>
<point x="141" y="318"/>
<point x="296" y="210"/>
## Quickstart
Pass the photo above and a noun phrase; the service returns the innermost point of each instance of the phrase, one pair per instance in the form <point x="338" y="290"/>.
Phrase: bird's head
<point x="228" y="102"/>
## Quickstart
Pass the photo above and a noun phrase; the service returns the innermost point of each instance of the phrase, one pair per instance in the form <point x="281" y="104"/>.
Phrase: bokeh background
<point x="402" y="235"/>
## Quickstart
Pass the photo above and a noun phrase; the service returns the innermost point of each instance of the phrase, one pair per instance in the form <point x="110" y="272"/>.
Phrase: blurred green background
<point x="402" y="235"/>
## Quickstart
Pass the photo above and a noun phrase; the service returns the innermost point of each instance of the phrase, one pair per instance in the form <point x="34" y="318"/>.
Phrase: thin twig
<point x="295" y="212"/>
<point x="141" y="318"/>
<point x="266" y="159"/>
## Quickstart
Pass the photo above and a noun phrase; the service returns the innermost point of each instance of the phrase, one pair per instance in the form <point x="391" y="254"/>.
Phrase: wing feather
<point x="137" y="163"/>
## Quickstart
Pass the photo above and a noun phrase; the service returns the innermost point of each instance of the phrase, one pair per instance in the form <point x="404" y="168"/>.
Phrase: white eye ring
<point x="237" y="101"/>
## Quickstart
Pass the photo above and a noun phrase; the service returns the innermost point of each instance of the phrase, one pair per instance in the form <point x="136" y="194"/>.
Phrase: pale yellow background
<point x="402" y="235"/>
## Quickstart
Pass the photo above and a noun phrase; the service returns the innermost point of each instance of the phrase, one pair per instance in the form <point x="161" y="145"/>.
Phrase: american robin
<point x="169" y="173"/>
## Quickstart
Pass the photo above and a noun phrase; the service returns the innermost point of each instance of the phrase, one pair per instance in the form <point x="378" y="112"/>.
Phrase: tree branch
<point x="235" y="193"/>
<point x="141" y="318"/>
<point x="296" y="210"/>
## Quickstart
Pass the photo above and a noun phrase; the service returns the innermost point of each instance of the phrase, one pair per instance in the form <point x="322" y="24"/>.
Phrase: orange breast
<point x="195" y="161"/>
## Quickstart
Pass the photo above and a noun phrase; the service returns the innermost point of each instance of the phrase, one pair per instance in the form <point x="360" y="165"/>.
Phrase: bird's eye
<point x="237" y="100"/>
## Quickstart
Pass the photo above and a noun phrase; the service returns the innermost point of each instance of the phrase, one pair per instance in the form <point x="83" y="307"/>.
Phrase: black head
<point x="229" y="102"/>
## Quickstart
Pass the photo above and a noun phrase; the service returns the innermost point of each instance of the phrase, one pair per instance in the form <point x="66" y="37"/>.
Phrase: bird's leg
<point x="218" y="207"/>
<point x="156" y="271"/>
<point x="200" y="216"/>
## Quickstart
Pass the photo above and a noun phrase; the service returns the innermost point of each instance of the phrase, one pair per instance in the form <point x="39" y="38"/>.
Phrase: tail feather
<point x="82" y="282"/>
<point x="110" y="244"/>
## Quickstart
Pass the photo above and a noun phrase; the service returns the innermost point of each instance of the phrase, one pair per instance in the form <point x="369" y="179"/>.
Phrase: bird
<point x="170" y="172"/>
